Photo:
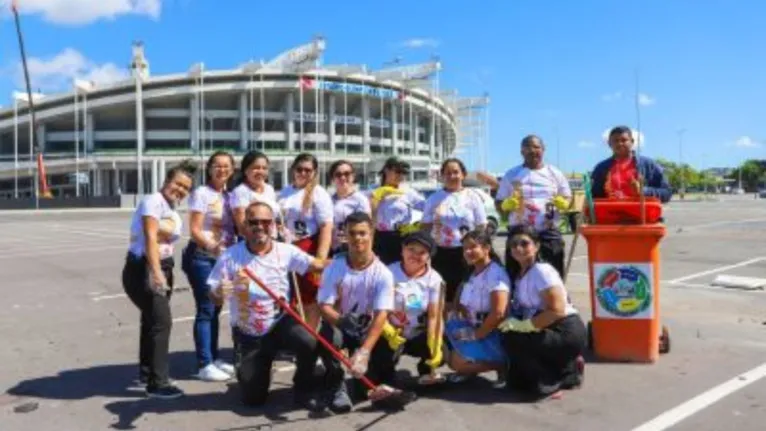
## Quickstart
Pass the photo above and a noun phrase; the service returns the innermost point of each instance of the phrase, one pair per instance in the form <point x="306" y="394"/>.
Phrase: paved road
<point x="70" y="341"/>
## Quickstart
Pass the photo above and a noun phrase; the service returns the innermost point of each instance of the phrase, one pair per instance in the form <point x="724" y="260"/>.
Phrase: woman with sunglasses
<point x="346" y="200"/>
<point x="147" y="276"/>
<point x="544" y="335"/>
<point x="475" y="343"/>
<point x="254" y="170"/>
<point x="393" y="208"/>
<point x="212" y="231"/>
<point x="449" y="213"/>
<point x="308" y="217"/>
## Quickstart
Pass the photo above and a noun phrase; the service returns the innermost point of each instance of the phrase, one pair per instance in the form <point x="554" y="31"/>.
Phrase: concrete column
<point x="285" y="173"/>
<point x="117" y="187"/>
<point x="155" y="176"/>
<point x="366" y="125"/>
<point x="244" y="133"/>
<point x="289" y="125"/>
<point x="41" y="137"/>
<point x="414" y="132"/>
<point x="331" y="123"/>
<point x="162" y="171"/>
<point x="194" y="123"/>
<point x="394" y="128"/>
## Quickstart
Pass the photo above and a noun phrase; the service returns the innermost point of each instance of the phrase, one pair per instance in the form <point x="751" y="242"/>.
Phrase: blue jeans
<point x="197" y="269"/>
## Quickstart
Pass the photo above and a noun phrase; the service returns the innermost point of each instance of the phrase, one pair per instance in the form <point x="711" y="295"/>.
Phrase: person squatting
<point x="364" y="275"/>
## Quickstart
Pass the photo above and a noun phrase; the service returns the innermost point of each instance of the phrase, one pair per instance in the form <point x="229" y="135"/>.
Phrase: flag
<point x="306" y="83"/>
<point x="15" y="6"/>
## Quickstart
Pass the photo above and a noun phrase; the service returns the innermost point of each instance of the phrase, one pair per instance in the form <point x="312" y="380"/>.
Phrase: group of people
<point x="368" y="275"/>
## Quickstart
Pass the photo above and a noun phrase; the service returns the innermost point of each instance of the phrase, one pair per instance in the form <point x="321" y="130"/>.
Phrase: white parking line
<point x="680" y="284"/>
<point x="703" y="400"/>
<point x="716" y="270"/>
<point x="63" y="250"/>
<point x="723" y="223"/>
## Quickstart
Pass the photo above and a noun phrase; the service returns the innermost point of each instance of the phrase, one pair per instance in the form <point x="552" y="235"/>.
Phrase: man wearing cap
<point x="535" y="193"/>
<point x="393" y="204"/>
<point x="418" y="306"/>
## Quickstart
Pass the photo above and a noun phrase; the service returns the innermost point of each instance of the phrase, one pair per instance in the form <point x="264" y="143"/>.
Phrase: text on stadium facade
<point x="345" y="87"/>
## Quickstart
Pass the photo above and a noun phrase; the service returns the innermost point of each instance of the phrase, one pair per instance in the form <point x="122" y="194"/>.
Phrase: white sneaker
<point x="211" y="373"/>
<point x="225" y="367"/>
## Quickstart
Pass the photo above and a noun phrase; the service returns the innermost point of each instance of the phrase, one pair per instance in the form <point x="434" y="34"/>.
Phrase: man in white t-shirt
<point x="534" y="194"/>
<point x="260" y="327"/>
<point x="355" y="296"/>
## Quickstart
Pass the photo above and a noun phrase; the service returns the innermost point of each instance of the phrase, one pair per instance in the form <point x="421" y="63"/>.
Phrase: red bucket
<point x="610" y="211"/>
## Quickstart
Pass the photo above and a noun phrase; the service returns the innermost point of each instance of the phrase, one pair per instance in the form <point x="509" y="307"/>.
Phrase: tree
<point x="753" y="172"/>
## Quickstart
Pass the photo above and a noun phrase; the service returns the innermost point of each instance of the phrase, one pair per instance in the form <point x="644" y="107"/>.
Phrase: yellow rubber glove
<point x="561" y="203"/>
<point x="516" y="325"/>
<point x="382" y="192"/>
<point x="393" y="336"/>
<point x="510" y="204"/>
<point x="409" y="228"/>
<point x="435" y="347"/>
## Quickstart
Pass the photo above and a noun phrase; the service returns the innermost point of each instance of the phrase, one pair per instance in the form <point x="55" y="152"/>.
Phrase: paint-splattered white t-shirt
<point x="342" y="208"/>
<point x="453" y="214"/>
<point x="217" y="222"/>
<point x="476" y="293"/>
<point x="303" y="224"/>
<point x="251" y="309"/>
<point x="412" y="296"/>
<point x="170" y="225"/>
<point x="526" y="295"/>
<point x="535" y="189"/>
<point x="396" y="210"/>
<point x="360" y="292"/>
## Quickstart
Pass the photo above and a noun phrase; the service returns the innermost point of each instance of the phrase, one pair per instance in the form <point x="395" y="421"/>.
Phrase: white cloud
<point x="420" y="43"/>
<point x="611" y="97"/>
<point x="56" y="73"/>
<point x="645" y="99"/>
<point x="79" y="12"/>
<point x="746" y="142"/>
<point x="637" y="142"/>
<point x="586" y="144"/>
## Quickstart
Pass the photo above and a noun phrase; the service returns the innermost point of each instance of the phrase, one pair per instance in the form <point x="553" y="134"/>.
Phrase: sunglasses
<point x="523" y="243"/>
<point x="260" y="222"/>
<point x="302" y="170"/>
<point x="346" y="174"/>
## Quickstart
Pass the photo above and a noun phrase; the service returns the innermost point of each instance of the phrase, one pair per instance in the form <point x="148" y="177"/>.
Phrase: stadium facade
<point x="97" y="136"/>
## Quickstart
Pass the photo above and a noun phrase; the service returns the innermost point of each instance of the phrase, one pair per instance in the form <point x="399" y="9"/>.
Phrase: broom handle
<point x="298" y="296"/>
<point x="286" y="307"/>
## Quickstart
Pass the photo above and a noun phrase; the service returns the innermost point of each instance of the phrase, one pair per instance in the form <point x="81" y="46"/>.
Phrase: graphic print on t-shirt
<point x="453" y="214"/>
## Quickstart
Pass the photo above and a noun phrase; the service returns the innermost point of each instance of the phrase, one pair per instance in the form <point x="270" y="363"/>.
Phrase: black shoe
<point x="339" y="402"/>
<point x="309" y="402"/>
<point x="168" y="392"/>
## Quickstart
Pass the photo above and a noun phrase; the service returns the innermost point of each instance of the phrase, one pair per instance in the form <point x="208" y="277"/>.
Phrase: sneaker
<point x="211" y="373"/>
<point x="225" y="367"/>
<point x="168" y="392"/>
<point x="308" y="401"/>
<point x="339" y="401"/>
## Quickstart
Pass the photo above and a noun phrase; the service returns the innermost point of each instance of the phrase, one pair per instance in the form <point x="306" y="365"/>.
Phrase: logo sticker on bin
<point x="624" y="290"/>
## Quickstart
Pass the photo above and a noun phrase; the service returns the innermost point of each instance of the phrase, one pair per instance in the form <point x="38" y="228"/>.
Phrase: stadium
<point x="95" y="137"/>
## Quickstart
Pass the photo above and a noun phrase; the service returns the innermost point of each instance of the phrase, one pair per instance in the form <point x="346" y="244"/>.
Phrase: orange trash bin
<point x="624" y="272"/>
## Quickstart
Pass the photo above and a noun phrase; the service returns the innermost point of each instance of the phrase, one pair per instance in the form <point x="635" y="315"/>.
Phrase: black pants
<point x="544" y="362"/>
<point x="451" y="265"/>
<point x="387" y="245"/>
<point x="551" y="251"/>
<point x="255" y="355"/>
<point x="156" y="319"/>
<point x="417" y="347"/>
<point x="381" y="368"/>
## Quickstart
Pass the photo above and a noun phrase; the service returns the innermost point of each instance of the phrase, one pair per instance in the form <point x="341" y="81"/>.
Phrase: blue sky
<point x="548" y="65"/>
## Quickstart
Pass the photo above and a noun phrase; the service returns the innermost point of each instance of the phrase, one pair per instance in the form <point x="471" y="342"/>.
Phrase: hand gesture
<point x="359" y="363"/>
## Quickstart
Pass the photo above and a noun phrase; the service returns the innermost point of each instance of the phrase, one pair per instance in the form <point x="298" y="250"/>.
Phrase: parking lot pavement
<point x="71" y="342"/>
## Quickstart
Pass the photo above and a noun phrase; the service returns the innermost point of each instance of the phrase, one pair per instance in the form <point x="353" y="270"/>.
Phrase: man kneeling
<point x="355" y="296"/>
<point x="260" y="328"/>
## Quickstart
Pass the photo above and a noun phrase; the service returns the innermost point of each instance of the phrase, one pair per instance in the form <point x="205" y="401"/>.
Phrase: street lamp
<point x="140" y="70"/>
<point x="84" y="87"/>
<point x="681" y="160"/>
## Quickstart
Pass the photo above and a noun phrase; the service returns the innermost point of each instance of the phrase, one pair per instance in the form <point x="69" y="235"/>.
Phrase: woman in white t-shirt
<point x="212" y="232"/>
<point x="418" y="304"/>
<point x="482" y="302"/>
<point x="254" y="170"/>
<point x="147" y="276"/>
<point x="544" y="336"/>
<point x="449" y="214"/>
<point x="308" y="221"/>
<point x="393" y="210"/>
<point x="346" y="200"/>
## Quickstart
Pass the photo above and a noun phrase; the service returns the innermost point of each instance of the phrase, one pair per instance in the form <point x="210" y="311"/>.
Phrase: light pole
<point x="84" y="87"/>
<point x="197" y="71"/>
<point x="139" y="66"/>
<point x="681" y="161"/>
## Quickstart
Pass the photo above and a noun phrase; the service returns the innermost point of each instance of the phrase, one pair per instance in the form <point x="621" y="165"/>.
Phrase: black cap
<point x="397" y="164"/>
<point x="421" y="238"/>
